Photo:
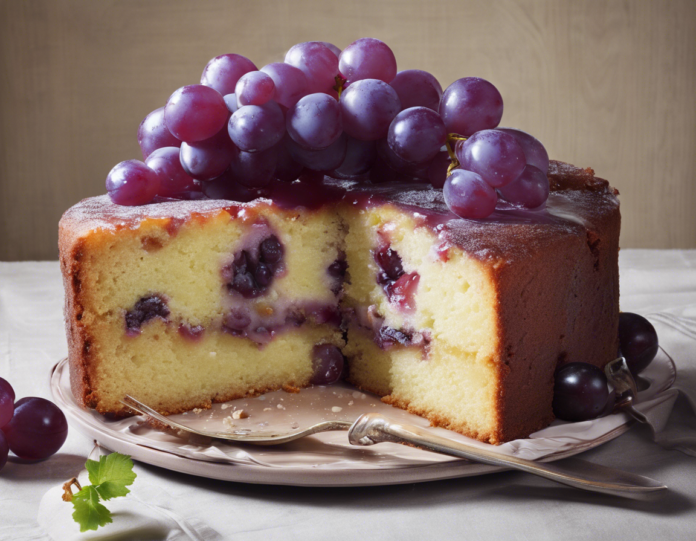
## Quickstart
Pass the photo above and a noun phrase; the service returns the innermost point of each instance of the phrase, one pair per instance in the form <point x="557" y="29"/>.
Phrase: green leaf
<point x="89" y="513"/>
<point x="111" y="475"/>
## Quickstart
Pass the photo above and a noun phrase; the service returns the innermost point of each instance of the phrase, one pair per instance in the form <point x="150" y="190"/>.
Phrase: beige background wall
<point x="607" y="84"/>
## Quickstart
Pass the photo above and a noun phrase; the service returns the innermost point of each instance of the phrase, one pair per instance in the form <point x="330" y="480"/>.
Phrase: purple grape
<point x="132" y="183"/>
<point x="534" y="152"/>
<point x="254" y="169"/>
<point x="437" y="170"/>
<point x="226" y="187"/>
<point x="173" y="179"/>
<point x="317" y="62"/>
<point x="580" y="392"/>
<point x="368" y="107"/>
<point x="7" y="397"/>
<point x="417" y="88"/>
<point x="638" y="341"/>
<point x="327" y="363"/>
<point x="195" y="113"/>
<point x="367" y="58"/>
<point x="254" y="88"/>
<point x="4" y="450"/>
<point x="208" y="159"/>
<point x="326" y="159"/>
<point x="314" y="122"/>
<point x="257" y="127"/>
<point x="231" y="102"/>
<point x="470" y="105"/>
<point x="407" y="170"/>
<point x="493" y="154"/>
<point x="223" y="72"/>
<point x="417" y="134"/>
<point x="335" y="50"/>
<point x="37" y="429"/>
<point x="153" y="133"/>
<point x="529" y="190"/>
<point x="290" y="83"/>
<point x="468" y="195"/>
<point x="287" y="169"/>
<point x="360" y="155"/>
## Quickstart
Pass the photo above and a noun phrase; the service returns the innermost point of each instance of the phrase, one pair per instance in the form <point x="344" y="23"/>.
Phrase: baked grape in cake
<point x="328" y="216"/>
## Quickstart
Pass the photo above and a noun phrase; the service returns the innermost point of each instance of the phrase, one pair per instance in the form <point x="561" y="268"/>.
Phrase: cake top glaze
<point x="579" y="204"/>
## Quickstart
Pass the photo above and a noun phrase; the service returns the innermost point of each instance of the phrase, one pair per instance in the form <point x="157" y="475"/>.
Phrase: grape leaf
<point x="111" y="475"/>
<point x="89" y="513"/>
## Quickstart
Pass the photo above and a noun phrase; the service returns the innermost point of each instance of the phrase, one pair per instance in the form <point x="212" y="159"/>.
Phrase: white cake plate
<point x="327" y="459"/>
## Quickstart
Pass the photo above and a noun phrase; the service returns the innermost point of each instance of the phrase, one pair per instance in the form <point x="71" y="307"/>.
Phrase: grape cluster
<point x="32" y="428"/>
<point x="348" y="114"/>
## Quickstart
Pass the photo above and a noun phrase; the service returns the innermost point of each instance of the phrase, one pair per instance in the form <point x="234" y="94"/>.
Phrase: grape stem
<point x="451" y="140"/>
<point x="67" y="490"/>
<point x="338" y="87"/>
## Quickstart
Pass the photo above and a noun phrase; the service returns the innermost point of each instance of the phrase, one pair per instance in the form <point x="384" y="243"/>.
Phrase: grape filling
<point x="252" y="276"/>
<point x="144" y="310"/>
<point x="399" y="286"/>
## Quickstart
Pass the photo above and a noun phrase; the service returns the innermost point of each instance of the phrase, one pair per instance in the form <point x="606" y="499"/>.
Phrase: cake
<point x="464" y="322"/>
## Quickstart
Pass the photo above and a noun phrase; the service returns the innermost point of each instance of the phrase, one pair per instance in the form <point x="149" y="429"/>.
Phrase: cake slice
<point x="188" y="302"/>
<point x="185" y="303"/>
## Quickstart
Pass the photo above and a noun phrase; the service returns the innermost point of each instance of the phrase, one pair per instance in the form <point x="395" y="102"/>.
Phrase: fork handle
<point x="373" y="428"/>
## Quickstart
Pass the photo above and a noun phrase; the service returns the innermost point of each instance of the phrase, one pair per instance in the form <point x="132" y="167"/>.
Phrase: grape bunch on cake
<point x="326" y="217"/>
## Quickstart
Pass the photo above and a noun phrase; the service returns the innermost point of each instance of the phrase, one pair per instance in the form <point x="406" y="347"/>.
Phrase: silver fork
<point x="625" y="389"/>
<point x="372" y="428"/>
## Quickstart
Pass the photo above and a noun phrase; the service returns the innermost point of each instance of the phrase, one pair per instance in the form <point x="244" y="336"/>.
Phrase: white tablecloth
<point x="658" y="284"/>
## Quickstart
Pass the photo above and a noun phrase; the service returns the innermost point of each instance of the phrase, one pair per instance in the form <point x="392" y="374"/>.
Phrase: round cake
<point x="181" y="303"/>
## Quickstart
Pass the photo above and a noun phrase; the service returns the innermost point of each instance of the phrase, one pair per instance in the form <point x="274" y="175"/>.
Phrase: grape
<point x="223" y="72"/>
<point x="290" y="83"/>
<point x="638" y="341"/>
<point x="153" y="133"/>
<point x="173" y="179"/>
<point x="529" y="190"/>
<point x="37" y="430"/>
<point x="208" y="159"/>
<point x="226" y="187"/>
<point x="195" y="113"/>
<point x="417" y="88"/>
<point x="360" y="155"/>
<point x="417" y="134"/>
<point x="406" y="170"/>
<point x="580" y="392"/>
<point x="4" y="450"/>
<point x="314" y="122"/>
<point x="317" y="62"/>
<point x="335" y="50"/>
<point x="534" y="152"/>
<point x="470" y="105"/>
<point x="257" y="127"/>
<point x="326" y="159"/>
<point x="381" y="172"/>
<point x="368" y="107"/>
<point x="254" y="169"/>
<point x="254" y="88"/>
<point x="287" y="169"/>
<point x="327" y="363"/>
<point x="132" y="183"/>
<point x="468" y="195"/>
<point x="437" y="170"/>
<point x="367" y="58"/>
<point x="495" y="155"/>
<point x="7" y="397"/>
<point x="231" y="102"/>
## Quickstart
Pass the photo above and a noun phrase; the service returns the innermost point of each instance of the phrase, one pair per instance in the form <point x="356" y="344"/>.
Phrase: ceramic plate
<point x="327" y="459"/>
